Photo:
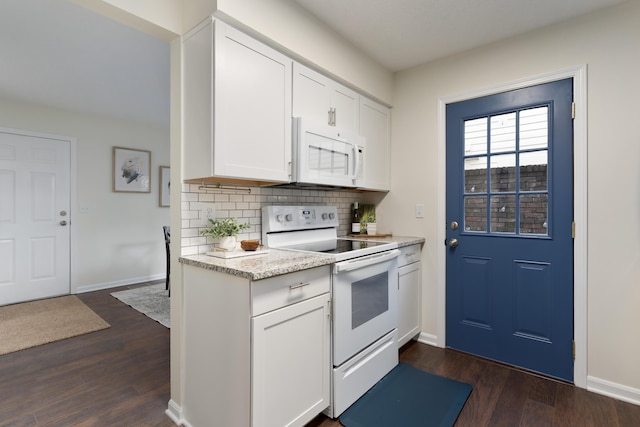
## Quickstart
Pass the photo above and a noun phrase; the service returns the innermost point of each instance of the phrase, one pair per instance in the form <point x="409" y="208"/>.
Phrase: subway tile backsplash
<point x="245" y="204"/>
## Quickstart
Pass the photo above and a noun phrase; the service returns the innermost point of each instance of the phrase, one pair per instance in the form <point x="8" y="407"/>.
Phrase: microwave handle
<point x="356" y="162"/>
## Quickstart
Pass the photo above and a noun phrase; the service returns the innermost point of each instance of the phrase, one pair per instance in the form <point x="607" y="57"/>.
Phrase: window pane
<point x="533" y="171"/>
<point x="475" y="175"/>
<point x="503" y="173"/>
<point x="533" y="214"/>
<point x="503" y="133"/>
<point x="534" y="125"/>
<point x="475" y="136"/>
<point x="475" y="213"/>
<point x="503" y="214"/>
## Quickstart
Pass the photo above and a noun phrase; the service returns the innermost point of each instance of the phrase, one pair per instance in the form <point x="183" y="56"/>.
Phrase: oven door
<point x="324" y="155"/>
<point x="365" y="302"/>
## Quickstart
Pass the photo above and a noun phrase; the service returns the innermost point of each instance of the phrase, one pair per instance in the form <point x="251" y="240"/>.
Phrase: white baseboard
<point x="124" y="282"/>
<point x="174" y="411"/>
<point x="428" y="339"/>
<point x="615" y="390"/>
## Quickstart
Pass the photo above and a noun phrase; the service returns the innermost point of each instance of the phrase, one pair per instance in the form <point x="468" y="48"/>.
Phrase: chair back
<point x="167" y="234"/>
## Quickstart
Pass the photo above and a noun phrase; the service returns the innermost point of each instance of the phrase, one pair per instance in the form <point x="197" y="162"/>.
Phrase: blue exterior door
<point x="509" y="240"/>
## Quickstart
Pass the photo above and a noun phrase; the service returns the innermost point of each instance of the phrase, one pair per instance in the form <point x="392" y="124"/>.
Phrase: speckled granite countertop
<point x="255" y="267"/>
<point x="276" y="261"/>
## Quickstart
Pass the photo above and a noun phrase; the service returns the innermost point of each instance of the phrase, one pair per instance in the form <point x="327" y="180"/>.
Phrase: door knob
<point x="453" y="225"/>
<point x="453" y="243"/>
<point x="63" y="223"/>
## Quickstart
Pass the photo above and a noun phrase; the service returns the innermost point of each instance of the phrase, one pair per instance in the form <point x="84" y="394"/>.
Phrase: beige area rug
<point x="35" y="323"/>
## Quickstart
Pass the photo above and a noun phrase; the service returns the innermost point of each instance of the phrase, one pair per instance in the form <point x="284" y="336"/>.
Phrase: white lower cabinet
<point x="290" y="364"/>
<point x="409" y="293"/>
<point x="256" y="353"/>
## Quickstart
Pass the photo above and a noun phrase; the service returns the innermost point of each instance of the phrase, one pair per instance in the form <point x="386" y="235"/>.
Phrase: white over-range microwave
<point x="325" y="155"/>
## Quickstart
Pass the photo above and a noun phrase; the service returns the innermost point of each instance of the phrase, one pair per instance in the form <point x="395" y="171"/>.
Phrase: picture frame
<point x="131" y="170"/>
<point x="165" y="186"/>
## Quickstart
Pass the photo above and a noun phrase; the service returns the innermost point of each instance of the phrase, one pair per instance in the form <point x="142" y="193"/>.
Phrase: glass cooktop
<point x="337" y="246"/>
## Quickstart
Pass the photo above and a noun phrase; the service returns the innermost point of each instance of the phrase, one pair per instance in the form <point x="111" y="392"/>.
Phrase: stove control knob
<point x="288" y="217"/>
<point x="332" y="215"/>
<point x="325" y="215"/>
<point x="279" y="218"/>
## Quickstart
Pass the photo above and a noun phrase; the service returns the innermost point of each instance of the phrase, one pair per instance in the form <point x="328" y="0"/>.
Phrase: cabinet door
<point x="345" y="104"/>
<point x="321" y="100"/>
<point x="252" y="108"/>
<point x="408" y="302"/>
<point x="375" y="126"/>
<point x="311" y="95"/>
<point x="290" y="363"/>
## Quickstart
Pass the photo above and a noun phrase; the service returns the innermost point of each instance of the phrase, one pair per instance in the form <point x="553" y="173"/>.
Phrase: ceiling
<point x="400" y="34"/>
<point x="57" y="53"/>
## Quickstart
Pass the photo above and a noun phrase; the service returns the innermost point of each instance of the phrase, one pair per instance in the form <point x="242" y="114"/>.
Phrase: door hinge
<point x="573" y="350"/>
<point x="573" y="229"/>
<point x="573" y="110"/>
<point x="330" y="302"/>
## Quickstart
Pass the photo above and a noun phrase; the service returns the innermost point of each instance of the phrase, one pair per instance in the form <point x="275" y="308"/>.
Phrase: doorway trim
<point x="73" y="215"/>
<point x="579" y="76"/>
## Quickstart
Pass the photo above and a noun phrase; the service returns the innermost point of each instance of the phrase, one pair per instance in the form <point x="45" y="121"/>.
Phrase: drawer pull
<point x="298" y="286"/>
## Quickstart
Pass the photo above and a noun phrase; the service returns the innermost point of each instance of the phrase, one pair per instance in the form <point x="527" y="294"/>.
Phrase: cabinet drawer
<point x="280" y="291"/>
<point x="409" y="254"/>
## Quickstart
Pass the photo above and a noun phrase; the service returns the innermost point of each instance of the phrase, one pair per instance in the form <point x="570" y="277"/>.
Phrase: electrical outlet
<point x="420" y="211"/>
<point x="206" y="214"/>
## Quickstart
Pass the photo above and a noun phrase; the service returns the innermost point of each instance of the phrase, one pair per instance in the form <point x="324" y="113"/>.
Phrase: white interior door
<point x="34" y="217"/>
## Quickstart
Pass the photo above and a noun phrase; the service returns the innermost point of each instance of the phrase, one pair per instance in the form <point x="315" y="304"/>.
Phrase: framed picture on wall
<point x="131" y="170"/>
<point x="165" y="185"/>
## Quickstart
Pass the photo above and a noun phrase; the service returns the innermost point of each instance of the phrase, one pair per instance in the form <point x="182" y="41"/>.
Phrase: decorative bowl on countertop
<point x="249" y="245"/>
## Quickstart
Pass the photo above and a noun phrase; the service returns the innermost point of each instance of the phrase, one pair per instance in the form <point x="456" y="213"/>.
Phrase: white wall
<point x="607" y="41"/>
<point x="119" y="241"/>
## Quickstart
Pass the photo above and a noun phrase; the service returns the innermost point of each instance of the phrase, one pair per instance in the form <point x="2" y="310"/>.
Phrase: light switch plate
<point x="420" y="211"/>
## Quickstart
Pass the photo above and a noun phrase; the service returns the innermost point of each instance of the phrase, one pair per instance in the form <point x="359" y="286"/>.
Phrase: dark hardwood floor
<point x="115" y="377"/>
<point x="503" y="396"/>
<point x="120" y="377"/>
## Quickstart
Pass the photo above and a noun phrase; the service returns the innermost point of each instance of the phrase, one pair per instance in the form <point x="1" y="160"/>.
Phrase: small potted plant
<point x="369" y="219"/>
<point x="226" y="230"/>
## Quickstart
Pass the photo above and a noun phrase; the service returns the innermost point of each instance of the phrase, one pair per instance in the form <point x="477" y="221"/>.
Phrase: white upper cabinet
<point x="375" y="126"/>
<point x="236" y="106"/>
<point x="319" y="99"/>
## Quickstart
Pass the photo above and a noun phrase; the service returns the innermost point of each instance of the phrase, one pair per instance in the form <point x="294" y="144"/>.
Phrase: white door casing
<point x="579" y="75"/>
<point x="35" y="216"/>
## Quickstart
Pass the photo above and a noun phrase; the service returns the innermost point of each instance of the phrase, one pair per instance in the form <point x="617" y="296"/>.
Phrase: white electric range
<point x="364" y="286"/>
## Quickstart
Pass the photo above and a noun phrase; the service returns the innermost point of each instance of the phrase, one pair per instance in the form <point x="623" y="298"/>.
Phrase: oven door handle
<point x="366" y="261"/>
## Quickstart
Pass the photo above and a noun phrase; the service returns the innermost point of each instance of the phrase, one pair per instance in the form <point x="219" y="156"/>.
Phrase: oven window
<point x="369" y="298"/>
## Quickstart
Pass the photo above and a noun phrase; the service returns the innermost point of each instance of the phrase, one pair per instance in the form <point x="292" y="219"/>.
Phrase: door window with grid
<point x="506" y="187"/>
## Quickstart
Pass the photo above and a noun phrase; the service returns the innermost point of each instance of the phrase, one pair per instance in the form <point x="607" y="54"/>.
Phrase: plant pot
<point x="228" y="243"/>
<point x="372" y="228"/>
